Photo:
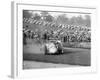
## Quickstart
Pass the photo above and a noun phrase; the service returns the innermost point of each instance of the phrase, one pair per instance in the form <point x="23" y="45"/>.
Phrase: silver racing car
<point x="53" y="47"/>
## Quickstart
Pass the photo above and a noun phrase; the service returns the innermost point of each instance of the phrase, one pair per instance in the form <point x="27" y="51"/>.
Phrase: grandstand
<point x="74" y="33"/>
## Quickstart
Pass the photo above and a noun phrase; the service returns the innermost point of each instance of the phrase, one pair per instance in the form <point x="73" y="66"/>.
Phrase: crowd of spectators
<point x="65" y="33"/>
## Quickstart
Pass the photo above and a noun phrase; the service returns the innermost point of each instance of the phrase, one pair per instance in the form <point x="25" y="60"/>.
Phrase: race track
<point x="71" y="56"/>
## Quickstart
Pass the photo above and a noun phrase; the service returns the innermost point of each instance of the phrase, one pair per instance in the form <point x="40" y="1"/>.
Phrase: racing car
<point x="53" y="47"/>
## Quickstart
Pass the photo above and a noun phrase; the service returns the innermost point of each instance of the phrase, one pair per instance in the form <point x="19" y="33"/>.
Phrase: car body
<point x="53" y="47"/>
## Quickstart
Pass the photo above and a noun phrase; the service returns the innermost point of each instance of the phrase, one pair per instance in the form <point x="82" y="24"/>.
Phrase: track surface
<point x="71" y="57"/>
<point x="38" y="65"/>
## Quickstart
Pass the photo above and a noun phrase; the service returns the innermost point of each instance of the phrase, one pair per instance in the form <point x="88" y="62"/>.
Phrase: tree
<point x="36" y="16"/>
<point x="73" y="21"/>
<point x="26" y="14"/>
<point x="49" y="18"/>
<point x="62" y="19"/>
<point x="46" y="16"/>
<point x="80" y="20"/>
<point x="88" y="20"/>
